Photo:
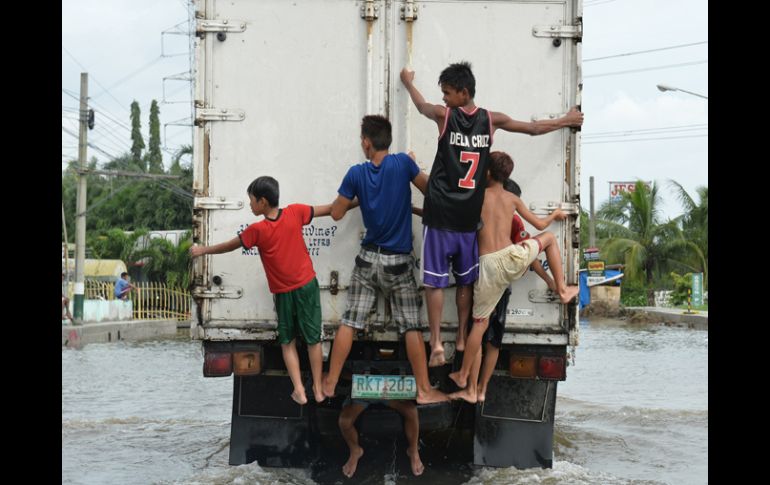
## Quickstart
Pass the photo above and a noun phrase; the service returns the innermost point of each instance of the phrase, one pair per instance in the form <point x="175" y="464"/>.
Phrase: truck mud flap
<point x="514" y="426"/>
<point x="268" y="426"/>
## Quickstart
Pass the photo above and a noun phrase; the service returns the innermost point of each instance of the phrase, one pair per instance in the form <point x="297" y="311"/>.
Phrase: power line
<point x="652" y="131"/>
<point x="654" y="68"/>
<point x="645" y="51"/>
<point x="68" y="93"/>
<point x="644" y="129"/>
<point x="129" y="76"/>
<point x="598" y="2"/>
<point x="643" y="139"/>
<point x="92" y="77"/>
<point x="88" y="143"/>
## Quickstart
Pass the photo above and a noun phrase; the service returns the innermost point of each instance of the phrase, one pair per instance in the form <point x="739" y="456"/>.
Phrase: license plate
<point x="383" y="387"/>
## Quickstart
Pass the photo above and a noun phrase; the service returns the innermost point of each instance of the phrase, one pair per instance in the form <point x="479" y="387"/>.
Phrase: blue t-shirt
<point x="385" y="198"/>
<point x="120" y="287"/>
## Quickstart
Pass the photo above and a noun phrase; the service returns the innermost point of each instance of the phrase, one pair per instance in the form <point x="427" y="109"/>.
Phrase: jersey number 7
<point x="473" y="159"/>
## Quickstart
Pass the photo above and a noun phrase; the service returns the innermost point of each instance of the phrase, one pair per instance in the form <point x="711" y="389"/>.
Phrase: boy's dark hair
<point x="500" y="166"/>
<point x="459" y="76"/>
<point x="378" y="130"/>
<point x="266" y="187"/>
<point x="512" y="187"/>
<point x="123" y="274"/>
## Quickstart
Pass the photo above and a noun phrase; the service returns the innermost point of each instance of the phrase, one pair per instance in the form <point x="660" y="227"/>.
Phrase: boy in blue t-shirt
<point x="384" y="262"/>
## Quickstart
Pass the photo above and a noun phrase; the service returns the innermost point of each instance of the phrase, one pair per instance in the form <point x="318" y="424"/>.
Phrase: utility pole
<point x="592" y="219"/>
<point x="80" y="227"/>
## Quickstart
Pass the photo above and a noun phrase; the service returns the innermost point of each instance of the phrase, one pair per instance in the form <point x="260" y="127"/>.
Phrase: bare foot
<point x="460" y="344"/>
<point x="437" y="357"/>
<point x="434" y="395"/>
<point x="319" y="395"/>
<point x="299" y="396"/>
<point x="349" y="468"/>
<point x="328" y="387"/>
<point x="465" y="395"/>
<point x="568" y="294"/>
<point x="417" y="466"/>
<point x="481" y="395"/>
<point x="457" y="379"/>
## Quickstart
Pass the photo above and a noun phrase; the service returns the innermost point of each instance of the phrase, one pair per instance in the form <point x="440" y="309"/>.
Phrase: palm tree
<point x="117" y="244"/>
<point x="695" y="228"/>
<point x="637" y="236"/>
<point x="168" y="262"/>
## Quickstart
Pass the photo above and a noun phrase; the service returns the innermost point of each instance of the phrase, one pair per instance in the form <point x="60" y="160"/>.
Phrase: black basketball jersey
<point x="458" y="176"/>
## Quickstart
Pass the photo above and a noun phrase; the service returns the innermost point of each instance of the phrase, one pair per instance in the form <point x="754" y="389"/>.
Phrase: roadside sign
<point x="697" y="289"/>
<point x="594" y="280"/>
<point x="591" y="254"/>
<point x="617" y="188"/>
<point x="596" y="268"/>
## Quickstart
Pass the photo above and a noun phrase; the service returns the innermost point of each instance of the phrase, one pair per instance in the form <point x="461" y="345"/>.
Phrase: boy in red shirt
<point x="290" y="275"/>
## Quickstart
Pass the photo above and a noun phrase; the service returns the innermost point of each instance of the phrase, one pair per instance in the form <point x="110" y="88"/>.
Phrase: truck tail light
<point x="523" y="365"/>
<point x="551" y="367"/>
<point x="217" y="364"/>
<point x="247" y="363"/>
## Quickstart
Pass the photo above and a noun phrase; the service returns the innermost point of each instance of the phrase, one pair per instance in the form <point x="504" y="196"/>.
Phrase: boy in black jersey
<point x="455" y="191"/>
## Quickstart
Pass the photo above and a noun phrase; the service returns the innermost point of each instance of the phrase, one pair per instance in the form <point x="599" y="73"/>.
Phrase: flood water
<point x="633" y="410"/>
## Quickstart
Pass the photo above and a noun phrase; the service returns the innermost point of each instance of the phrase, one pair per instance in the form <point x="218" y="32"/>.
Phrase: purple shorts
<point x="440" y="248"/>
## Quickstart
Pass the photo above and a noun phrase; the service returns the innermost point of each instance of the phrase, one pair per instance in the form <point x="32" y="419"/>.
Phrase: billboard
<point x="617" y="188"/>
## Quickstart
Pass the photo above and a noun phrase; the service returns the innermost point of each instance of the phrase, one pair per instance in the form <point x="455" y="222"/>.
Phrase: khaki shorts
<point x="497" y="270"/>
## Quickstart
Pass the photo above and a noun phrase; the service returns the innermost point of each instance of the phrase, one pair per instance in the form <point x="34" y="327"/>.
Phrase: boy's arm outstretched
<point x="540" y="127"/>
<point x="220" y="248"/>
<point x="540" y="223"/>
<point x="339" y="207"/>
<point x="434" y="112"/>
<point x="322" y="210"/>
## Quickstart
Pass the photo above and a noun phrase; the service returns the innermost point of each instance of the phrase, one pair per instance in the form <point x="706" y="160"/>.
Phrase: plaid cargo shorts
<point x="393" y="276"/>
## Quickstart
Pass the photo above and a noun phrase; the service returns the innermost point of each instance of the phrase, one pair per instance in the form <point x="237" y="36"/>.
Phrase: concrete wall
<point x="607" y="294"/>
<point x="79" y="335"/>
<point x="105" y="310"/>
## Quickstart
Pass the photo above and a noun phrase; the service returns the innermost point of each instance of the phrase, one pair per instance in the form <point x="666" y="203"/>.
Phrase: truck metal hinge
<point x="211" y="203"/>
<point x="203" y="26"/>
<point x="218" y="114"/>
<point x="370" y="11"/>
<point x="568" y="207"/>
<point x="233" y="292"/>
<point x="558" y="31"/>
<point x="409" y="11"/>
<point x="543" y="296"/>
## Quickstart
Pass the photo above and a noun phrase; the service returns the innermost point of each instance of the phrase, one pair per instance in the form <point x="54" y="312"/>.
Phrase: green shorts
<point x="299" y="311"/>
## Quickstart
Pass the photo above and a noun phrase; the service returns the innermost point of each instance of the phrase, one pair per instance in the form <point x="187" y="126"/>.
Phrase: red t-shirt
<point x="282" y="248"/>
<point x="518" y="233"/>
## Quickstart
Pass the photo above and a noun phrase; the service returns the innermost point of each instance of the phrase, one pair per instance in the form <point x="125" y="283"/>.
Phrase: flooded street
<point x="634" y="410"/>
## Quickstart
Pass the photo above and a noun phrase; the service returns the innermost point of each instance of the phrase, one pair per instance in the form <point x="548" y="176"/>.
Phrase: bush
<point x="632" y="295"/>
<point x="682" y="285"/>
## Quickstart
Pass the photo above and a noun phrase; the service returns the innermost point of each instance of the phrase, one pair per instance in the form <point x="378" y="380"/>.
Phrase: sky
<point x="632" y="130"/>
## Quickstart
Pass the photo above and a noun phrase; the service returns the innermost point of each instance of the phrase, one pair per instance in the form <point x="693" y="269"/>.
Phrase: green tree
<point x="694" y="224"/>
<point x="167" y="262"/>
<point x="639" y="238"/>
<point x="154" y="155"/>
<point x="176" y="162"/>
<point x="137" y="142"/>
<point x="117" y="244"/>
<point x="682" y="283"/>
